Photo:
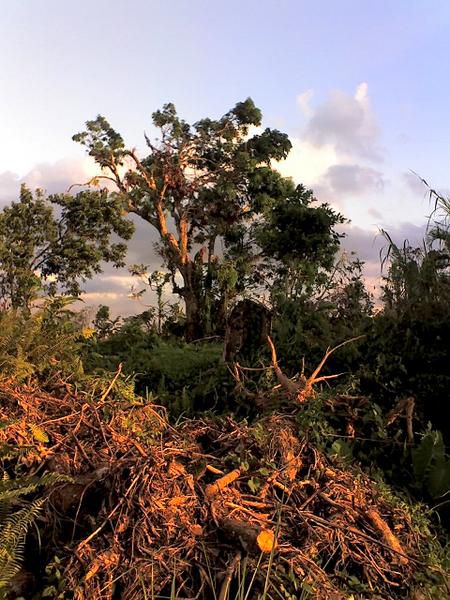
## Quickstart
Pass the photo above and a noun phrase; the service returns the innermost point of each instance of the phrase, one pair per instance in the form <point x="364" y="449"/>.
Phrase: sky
<point x="361" y="87"/>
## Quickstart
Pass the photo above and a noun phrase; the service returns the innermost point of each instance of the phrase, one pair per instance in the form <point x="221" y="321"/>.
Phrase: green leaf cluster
<point x="16" y="515"/>
<point x="45" y="341"/>
<point x="431" y="464"/>
<point x="52" y="244"/>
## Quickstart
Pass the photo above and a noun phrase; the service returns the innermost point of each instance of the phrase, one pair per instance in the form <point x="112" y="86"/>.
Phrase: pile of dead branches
<point x="209" y="504"/>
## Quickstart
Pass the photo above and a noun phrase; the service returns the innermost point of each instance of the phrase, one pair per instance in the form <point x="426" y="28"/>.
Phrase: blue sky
<point x="361" y="87"/>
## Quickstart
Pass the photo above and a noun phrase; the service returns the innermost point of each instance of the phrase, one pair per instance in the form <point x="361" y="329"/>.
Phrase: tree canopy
<point x="57" y="242"/>
<point x="208" y="182"/>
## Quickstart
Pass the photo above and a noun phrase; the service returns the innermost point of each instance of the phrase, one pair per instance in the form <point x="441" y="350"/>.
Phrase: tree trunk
<point x="192" y="293"/>
<point x="194" y="325"/>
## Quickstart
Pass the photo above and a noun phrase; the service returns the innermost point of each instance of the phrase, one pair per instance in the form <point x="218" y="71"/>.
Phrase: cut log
<point x="252" y="538"/>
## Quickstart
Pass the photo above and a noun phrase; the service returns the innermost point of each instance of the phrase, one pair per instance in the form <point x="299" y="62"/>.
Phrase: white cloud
<point x="52" y="177"/>
<point x="100" y="296"/>
<point x="58" y="176"/>
<point x="353" y="179"/>
<point x="347" y="122"/>
<point x="306" y="163"/>
<point x="339" y="133"/>
<point x="304" y="103"/>
<point x="338" y="151"/>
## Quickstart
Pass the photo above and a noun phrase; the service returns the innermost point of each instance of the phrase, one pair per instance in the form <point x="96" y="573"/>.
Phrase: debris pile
<point x="208" y="504"/>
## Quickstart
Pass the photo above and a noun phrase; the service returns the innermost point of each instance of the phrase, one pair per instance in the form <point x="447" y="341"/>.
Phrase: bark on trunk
<point x="194" y="328"/>
<point x="192" y="292"/>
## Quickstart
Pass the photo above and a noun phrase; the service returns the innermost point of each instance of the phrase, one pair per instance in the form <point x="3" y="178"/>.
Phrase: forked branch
<point x="303" y="388"/>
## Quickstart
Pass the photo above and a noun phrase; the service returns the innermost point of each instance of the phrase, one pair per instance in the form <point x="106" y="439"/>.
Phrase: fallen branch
<point x="406" y="406"/>
<point x="390" y="539"/>
<point x="303" y="390"/>
<point x="214" y="488"/>
<point x="253" y="538"/>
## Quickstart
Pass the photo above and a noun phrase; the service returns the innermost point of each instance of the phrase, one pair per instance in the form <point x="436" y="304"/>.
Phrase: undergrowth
<point x="125" y="499"/>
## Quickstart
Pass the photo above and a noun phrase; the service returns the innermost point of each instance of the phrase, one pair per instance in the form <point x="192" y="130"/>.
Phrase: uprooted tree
<point x="209" y="182"/>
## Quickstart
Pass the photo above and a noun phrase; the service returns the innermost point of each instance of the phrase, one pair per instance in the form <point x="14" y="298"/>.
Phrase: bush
<point x="184" y="377"/>
<point x="38" y="343"/>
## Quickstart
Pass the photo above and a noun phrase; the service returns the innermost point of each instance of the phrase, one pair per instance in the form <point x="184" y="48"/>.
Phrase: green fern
<point x="16" y="516"/>
<point x="14" y="528"/>
<point x="45" y="339"/>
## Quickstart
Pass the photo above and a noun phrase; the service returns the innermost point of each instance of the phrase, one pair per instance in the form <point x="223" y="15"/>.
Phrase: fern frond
<point x="30" y="483"/>
<point x="14" y="524"/>
<point x="12" y="539"/>
<point x="7" y="451"/>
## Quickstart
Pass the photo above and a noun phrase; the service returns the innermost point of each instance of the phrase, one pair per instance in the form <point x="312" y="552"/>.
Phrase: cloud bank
<point x="336" y="150"/>
<point x="339" y="153"/>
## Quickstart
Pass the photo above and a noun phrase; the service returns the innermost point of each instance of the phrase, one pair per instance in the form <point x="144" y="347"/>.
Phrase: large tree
<point x="199" y="184"/>
<point x="53" y="243"/>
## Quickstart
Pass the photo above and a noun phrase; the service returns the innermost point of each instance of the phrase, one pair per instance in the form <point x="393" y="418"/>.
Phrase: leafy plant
<point x="431" y="465"/>
<point x="406" y="350"/>
<point x="48" y="338"/>
<point x="16" y="516"/>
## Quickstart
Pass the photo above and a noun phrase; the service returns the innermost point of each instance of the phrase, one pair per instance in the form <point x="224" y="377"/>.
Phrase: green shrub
<point x="17" y="513"/>
<point x="48" y="339"/>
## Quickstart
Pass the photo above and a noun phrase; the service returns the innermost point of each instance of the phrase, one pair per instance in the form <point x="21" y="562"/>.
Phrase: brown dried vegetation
<point x="152" y="504"/>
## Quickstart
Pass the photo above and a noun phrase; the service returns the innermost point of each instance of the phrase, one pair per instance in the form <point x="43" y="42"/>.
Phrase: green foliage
<point x="131" y="344"/>
<point x="53" y="243"/>
<point x="417" y="278"/>
<point x="16" y="516"/>
<point x="211" y="181"/>
<point x="184" y="377"/>
<point x="432" y="580"/>
<point x="103" y="325"/>
<point x="55" y="584"/>
<point x="431" y="465"/>
<point x="295" y="230"/>
<point x="13" y="530"/>
<point x="43" y="341"/>
<point x="315" y="309"/>
<point x="187" y="378"/>
<point x="178" y="363"/>
<point x="406" y="350"/>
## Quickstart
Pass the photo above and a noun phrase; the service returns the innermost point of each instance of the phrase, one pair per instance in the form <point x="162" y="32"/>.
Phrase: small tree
<point x="55" y="243"/>
<point x="104" y="325"/>
<point x="155" y="281"/>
